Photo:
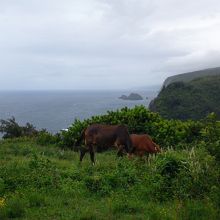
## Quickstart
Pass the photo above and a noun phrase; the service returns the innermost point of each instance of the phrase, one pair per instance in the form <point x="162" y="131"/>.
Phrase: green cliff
<point x="189" y="99"/>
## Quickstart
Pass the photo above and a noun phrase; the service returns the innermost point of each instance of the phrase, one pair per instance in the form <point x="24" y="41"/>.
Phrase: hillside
<point x="41" y="178"/>
<point x="186" y="77"/>
<point x="44" y="182"/>
<point x="189" y="100"/>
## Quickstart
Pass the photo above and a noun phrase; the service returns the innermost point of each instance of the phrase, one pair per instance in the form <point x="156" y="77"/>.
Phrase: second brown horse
<point x="142" y="144"/>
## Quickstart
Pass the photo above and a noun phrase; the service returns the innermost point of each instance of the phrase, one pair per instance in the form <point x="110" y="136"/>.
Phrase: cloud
<point x="96" y="44"/>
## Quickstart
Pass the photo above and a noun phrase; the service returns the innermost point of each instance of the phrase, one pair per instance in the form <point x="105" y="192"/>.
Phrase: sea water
<point x="56" y="110"/>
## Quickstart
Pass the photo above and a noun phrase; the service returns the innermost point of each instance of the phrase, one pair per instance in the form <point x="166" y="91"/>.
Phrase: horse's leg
<point x="82" y="153"/>
<point x="133" y="150"/>
<point x="120" y="151"/>
<point x="131" y="153"/>
<point x="92" y="154"/>
<point x="130" y="156"/>
<point x="148" y="161"/>
<point x="141" y="154"/>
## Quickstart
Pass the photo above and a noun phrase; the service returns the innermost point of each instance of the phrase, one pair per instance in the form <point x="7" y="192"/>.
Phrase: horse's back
<point x="108" y="134"/>
<point x="143" y="142"/>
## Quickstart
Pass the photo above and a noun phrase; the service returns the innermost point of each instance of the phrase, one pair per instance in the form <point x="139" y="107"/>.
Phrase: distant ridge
<point x="187" y="77"/>
<point x="194" y="99"/>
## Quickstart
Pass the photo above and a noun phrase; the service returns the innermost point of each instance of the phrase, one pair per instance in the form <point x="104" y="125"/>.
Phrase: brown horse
<point x="143" y="144"/>
<point x="104" y="136"/>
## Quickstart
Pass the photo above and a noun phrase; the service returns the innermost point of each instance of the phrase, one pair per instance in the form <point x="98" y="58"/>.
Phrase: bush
<point x="2" y="187"/>
<point x="14" y="208"/>
<point x="180" y="175"/>
<point x="138" y="120"/>
<point x="211" y="135"/>
<point x="198" y="210"/>
<point x="126" y="204"/>
<point x="11" y="129"/>
<point x="36" y="199"/>
<point x="43" y="173"/>
<point x="46" y="138"/>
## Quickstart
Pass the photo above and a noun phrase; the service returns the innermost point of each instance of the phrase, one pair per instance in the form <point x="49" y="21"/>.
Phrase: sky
<point x="104" y="44"/>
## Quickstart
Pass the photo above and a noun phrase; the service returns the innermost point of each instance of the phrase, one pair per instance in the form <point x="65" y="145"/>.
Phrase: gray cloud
<point x="104" y="44"/>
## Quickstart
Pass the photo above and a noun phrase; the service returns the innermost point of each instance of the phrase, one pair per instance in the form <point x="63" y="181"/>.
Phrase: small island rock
<point x="132" y="96"/>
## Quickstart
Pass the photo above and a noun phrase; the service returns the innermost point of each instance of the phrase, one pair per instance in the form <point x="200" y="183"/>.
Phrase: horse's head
<point x="157" y="149"/>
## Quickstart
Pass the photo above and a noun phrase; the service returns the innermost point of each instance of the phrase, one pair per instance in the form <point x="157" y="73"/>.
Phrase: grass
<point x="45" y="182"/>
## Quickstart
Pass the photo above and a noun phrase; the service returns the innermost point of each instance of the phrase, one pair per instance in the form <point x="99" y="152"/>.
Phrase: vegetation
<point x="187" y="77"/>
<point x="39" y="182"/>
<point x="41" y="178"/>
<point x="192" y="100"/>
<point x="167" y="133"/>
<point x="12" y="129"/>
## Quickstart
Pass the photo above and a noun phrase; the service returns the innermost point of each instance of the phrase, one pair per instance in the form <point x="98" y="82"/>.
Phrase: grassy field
<point x="45" y="182"/>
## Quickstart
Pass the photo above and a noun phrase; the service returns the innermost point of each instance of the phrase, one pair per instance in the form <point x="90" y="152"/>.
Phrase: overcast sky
<point x="105" y="44"/>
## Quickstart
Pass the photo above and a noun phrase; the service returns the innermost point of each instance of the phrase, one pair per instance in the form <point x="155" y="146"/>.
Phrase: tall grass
<point x="45" y="182"/>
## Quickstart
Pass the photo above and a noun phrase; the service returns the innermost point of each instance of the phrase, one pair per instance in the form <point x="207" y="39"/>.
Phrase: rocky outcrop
<point x="132" y="96"/>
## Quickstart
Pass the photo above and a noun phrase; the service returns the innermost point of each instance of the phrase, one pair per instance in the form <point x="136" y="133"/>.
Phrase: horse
<point x="105" y="136"/>
<point x="142" y="144"/>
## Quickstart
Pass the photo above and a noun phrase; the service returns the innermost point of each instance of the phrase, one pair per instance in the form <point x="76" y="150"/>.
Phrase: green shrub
<point x="2" y="187"/>
<point x="126" y="204"/>
<point x="46" y="138"/>
<point x="211" y="135"/>
<point x="14" y="208"/>
<point x="36" y="199"/>
<point x="11" y="129"/>
<point x="138" y="120"/>
<point x="14" y="175"/>
<point x="198" y="210"/>
<point x="180" y="175"/>
<point x="159" y="212"/>
<point x="43" y="173"/>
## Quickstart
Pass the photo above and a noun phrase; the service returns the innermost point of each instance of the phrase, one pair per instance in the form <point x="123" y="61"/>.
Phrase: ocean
<point x="56" y="110"/>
